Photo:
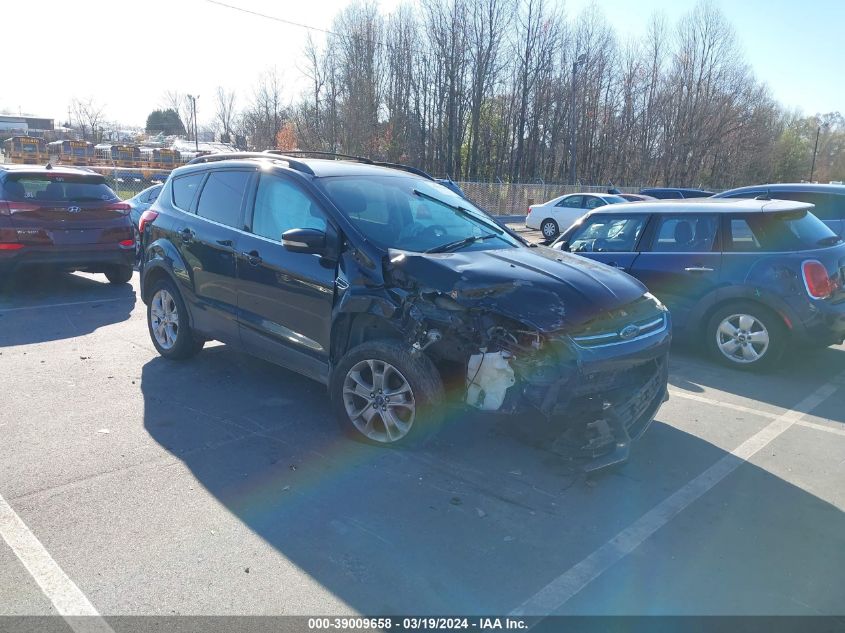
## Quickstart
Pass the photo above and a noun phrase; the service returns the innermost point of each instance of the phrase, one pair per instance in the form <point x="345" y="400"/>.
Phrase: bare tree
<point x="87" y="115"/>
<point x="225" y="113"/>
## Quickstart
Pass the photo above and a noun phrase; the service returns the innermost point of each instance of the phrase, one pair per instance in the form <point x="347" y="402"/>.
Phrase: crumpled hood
<point x="541" y="287"/>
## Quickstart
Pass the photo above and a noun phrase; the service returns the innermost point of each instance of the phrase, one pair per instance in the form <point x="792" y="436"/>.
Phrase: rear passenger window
<point x="184" y="189"/>
<point x="743" y="239"/>
<point x="687" y="233"/>
<point x="222" y="196"/>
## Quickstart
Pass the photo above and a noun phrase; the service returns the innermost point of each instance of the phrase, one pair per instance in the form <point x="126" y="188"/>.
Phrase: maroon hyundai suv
<point x="65" y="217"/>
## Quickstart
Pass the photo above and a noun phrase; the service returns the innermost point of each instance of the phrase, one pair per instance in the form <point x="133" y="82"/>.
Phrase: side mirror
<point x="563" y="246"/>
<point x="311" y="241"/>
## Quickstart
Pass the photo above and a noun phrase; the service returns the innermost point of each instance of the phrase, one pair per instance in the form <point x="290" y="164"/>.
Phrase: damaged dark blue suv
<point x="401" y="297"/>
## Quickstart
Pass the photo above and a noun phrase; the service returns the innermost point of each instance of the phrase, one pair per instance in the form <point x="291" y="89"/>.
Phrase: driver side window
<point x="608" y="234"/>
<point x="281" y="205"/>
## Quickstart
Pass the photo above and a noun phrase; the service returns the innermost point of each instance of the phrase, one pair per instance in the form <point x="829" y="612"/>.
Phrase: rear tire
<point x="168" y="323"/>
<point x="549" y="229"/>
<point x="746" y="335"/>
<point x="385" y="394"/>
<point x="119" y="274"/>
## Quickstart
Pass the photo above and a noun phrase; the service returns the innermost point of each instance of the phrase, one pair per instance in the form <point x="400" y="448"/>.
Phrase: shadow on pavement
<point x="480" y="519"/>
<point x="39" y="304"/>
<point x="798" y="374"/>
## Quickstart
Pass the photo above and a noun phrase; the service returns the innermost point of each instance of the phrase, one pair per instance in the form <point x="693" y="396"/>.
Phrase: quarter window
<point x="281" y="205"/>
<point x="222" y="196"/>
<point x="687" y="233"/>
<point x="184" y="189"/>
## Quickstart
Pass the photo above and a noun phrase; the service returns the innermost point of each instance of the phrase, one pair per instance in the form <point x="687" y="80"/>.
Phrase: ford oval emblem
<point x="628" y="332"/>
<point x="73" y="209"/>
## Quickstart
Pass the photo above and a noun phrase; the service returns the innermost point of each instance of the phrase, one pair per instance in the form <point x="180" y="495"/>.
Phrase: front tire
<point x="746" y="335"/>
<point x="168" y="323"/>
<point x="549" y="229"/>
<point x="119" y="274"/>
<point x="385" y="394"/>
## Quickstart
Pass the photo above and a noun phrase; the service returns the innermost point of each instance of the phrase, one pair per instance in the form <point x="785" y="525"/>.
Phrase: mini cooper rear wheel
<point x="746" y="336"/>
<point x="549" y="228"/>
<point x="385" y="394"/>
<point x="167" y="320"/>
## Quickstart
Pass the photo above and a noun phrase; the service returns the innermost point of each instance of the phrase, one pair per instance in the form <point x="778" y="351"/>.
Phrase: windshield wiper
<point x="829" y="240"/>
<point x="451" y="246"/>
<point x="459" y="209"/>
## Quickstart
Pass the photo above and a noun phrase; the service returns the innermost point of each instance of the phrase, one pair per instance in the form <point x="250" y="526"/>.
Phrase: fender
<point x="163" y="254"/>
<point x="757" y="294"/>
<point x="163" y="257"/>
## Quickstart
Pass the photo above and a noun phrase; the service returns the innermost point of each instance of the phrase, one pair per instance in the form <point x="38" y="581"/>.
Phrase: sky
<point x="126" y="54"/>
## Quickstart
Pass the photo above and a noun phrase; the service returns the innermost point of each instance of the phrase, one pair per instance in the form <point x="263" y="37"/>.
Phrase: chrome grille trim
<point x="647" y="328"/>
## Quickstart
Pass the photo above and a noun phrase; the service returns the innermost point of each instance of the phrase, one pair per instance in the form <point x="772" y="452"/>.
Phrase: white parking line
<point x="676" y="393"/>
<point x="560" y="590"/>
<point x="61" y="305"/>
<point x="66" y="597"/>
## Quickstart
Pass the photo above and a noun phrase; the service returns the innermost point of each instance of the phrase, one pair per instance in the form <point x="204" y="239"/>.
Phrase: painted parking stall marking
<point x="560" y="590"/>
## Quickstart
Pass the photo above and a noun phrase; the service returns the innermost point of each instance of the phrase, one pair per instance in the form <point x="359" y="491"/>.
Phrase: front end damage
<point x="601" y="380"/>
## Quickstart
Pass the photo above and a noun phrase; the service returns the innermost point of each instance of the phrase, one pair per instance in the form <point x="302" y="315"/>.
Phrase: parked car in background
<point x="65" y="217"/>
<point x="828" y="200"/>
<point x="383" y="284"/>
<point x="560" y="213"/>
<point x="748" y="277"/>
<point x="142" y="201"/>
<point x="636" y="197"/>
<point x="674" y="193"/>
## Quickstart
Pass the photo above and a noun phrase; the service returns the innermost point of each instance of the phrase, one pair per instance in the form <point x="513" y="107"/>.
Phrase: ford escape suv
<point x="401" y="297"/>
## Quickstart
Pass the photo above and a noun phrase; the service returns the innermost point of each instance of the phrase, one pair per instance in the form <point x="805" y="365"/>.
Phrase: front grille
<point x="637" y="319"/>
<point x="630" y="331"/>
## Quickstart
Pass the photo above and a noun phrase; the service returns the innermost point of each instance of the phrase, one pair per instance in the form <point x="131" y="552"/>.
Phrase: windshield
<point x="791" y="231"/>
<point x="413" y="214"/>
<point x="613" y="199"/>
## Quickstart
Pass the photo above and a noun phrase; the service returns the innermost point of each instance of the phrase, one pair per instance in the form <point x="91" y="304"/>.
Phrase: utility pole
<point x="580" y="60"/>
<point x="815" y="149"/>
<point x="194" y="117"/>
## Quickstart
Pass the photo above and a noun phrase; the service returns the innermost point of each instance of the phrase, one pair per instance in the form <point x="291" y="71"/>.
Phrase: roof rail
<point x="360" y="159"/>
<point x="408" y="168"/>
<point x="269" y="155"/>
<point x="303" y="152"/>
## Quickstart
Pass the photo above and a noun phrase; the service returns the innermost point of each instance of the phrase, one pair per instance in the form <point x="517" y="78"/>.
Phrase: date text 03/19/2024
<point x="416" y="624"/>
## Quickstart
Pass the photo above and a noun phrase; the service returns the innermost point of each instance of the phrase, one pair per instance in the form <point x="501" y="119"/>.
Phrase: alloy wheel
<point x="379" y="401"/>
<point x="742" y="338"/>
<point x="165" y="319"/>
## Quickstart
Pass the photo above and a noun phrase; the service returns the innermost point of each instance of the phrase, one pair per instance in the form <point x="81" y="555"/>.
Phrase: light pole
<point x="579" y="61"/>
<point x="815" y="150"/>
<point x="194" y="116"/>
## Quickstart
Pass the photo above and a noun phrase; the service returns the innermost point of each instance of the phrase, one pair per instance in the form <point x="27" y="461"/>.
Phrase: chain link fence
<point x="497" y="198"/>
<point x="503" y="198"/>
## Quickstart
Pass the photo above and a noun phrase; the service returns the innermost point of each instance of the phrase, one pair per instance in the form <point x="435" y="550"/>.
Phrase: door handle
<point x="226" y="243"/>
<point x="252" y="257"/>
<point x="187" y="235"/>
<point x="698" y="269"/>
<point x="615" y="265"/>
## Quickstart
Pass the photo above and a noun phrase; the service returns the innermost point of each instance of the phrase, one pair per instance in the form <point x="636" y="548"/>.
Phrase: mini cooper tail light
<point x="816" y="279"/>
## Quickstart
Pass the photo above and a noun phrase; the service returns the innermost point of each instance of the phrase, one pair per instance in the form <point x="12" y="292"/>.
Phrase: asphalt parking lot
<point x="221" y="485"/>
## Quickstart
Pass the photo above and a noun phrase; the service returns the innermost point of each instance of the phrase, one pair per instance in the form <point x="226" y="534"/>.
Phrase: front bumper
<point x="604" y="397"/>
